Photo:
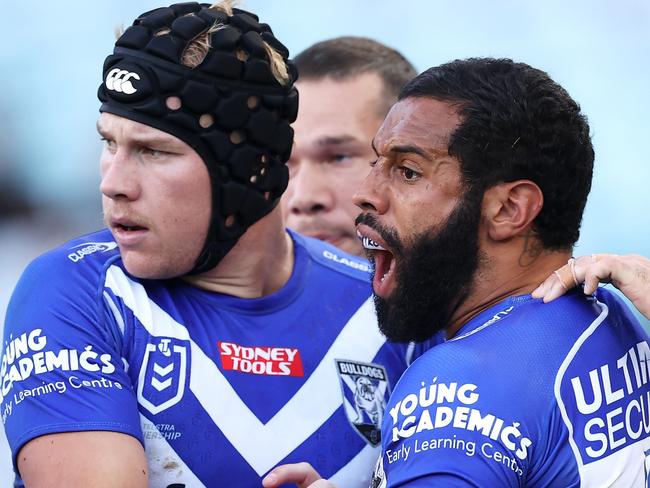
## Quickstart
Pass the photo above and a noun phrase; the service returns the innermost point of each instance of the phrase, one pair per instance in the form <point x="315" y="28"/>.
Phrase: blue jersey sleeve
<point x="62" y="368"/>
<point x="442" y="433"/>
<point x="525" y="394"/>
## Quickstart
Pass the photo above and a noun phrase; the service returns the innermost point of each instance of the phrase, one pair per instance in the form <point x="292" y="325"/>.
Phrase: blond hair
<point x="198" y="48"/>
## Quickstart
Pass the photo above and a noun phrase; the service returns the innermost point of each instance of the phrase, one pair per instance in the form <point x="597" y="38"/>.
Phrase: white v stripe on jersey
<point x="317" y="399"/>
<point x="116" y="314"/>
<point x="320" y="396"/>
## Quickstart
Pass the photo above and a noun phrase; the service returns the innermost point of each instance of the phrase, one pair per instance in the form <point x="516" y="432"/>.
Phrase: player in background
<point x="346" y="87"/>
<point x="194" y="342"/>
<point x="476" y="195"/>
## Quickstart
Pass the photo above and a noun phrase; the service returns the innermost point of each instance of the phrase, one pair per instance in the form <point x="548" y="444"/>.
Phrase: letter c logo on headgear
<point x="119" y="80"/>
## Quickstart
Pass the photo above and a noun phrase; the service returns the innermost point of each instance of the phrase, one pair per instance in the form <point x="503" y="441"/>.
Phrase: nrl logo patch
<point x="163" y="374"/>
<point x="365" y="390"/>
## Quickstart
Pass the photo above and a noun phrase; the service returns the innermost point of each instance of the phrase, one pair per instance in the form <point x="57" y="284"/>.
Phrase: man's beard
<point x="434" y="273"/>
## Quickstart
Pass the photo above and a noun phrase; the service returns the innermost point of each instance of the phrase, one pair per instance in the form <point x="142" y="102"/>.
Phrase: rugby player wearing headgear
<point x="347" y="84"/>
<point x="194" y="342"/>
<point x="482" y="173"/>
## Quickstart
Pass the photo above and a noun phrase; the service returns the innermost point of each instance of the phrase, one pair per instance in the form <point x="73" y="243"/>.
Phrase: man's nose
<point x="373" y="193"/>
<point x="119" y="176"/>
<point x="309" y="190"/>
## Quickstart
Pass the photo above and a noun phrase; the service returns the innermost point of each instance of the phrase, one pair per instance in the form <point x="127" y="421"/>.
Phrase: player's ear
<point x="510" y="208"/>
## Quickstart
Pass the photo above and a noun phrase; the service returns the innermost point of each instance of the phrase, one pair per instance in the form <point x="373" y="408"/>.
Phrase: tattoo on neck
<point x="532" y="250"/>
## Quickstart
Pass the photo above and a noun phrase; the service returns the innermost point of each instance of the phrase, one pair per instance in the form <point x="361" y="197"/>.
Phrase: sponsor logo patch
<point x="608" y="405"/>
<point x="83" y="250"/>
<point x="261" y="360"/>
<point x="128" y="82"/>
<point x="365" y="390"/>
<point x="350" y="263"/>
<point x="31" y="368"/>
<point x="163" y="374"/>
<point x="121" y="81"/>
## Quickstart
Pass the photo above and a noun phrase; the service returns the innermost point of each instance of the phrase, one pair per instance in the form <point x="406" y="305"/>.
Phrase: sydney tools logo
<point x="262" y="360"/>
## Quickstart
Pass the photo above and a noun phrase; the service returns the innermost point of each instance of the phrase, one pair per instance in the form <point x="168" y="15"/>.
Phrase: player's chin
<point x="141" y="269"/>
<point x="149" y="266"/>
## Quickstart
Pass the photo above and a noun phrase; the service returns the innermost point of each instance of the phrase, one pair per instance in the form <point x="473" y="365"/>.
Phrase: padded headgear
<point x="233" y="112"/>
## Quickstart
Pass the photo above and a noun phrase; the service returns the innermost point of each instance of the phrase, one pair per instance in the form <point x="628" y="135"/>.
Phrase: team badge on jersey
<point x="378" y="479"/>
<point x="163" y="374"/>
<point x="365" y="390"/>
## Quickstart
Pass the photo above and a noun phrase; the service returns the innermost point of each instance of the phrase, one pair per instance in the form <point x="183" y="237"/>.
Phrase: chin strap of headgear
<point x="233" y="112"/>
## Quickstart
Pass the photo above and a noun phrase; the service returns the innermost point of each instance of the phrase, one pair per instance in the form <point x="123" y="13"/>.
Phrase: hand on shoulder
<point x="630" y="274"/>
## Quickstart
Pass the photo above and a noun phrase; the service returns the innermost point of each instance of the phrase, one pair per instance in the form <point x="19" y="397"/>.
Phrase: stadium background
<point x="51" y="55"/>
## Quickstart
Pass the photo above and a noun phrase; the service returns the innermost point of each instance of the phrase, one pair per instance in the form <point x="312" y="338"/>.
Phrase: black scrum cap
<point x="233" y="112"/>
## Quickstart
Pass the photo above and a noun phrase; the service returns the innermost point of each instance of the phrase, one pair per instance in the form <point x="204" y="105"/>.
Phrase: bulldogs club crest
<point x="365" y="390"/>
<point x="163" y="374"/>
<point x="378" y="479"/>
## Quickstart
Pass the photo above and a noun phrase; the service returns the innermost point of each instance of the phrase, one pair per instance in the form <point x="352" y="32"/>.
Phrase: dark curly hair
<point x="517" y="124"/>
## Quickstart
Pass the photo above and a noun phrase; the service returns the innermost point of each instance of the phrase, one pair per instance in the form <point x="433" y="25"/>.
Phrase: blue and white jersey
<point x="218" y="389"/>
<point x="526" y="394"/>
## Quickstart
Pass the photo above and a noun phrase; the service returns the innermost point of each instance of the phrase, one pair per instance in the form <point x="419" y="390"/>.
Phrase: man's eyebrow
<point x="153" y="140"/>
<point x="407" y="149"/>
<point x="410" y="148"/>
<point x="335" y="140"/>
<point x="141" y="139"/>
